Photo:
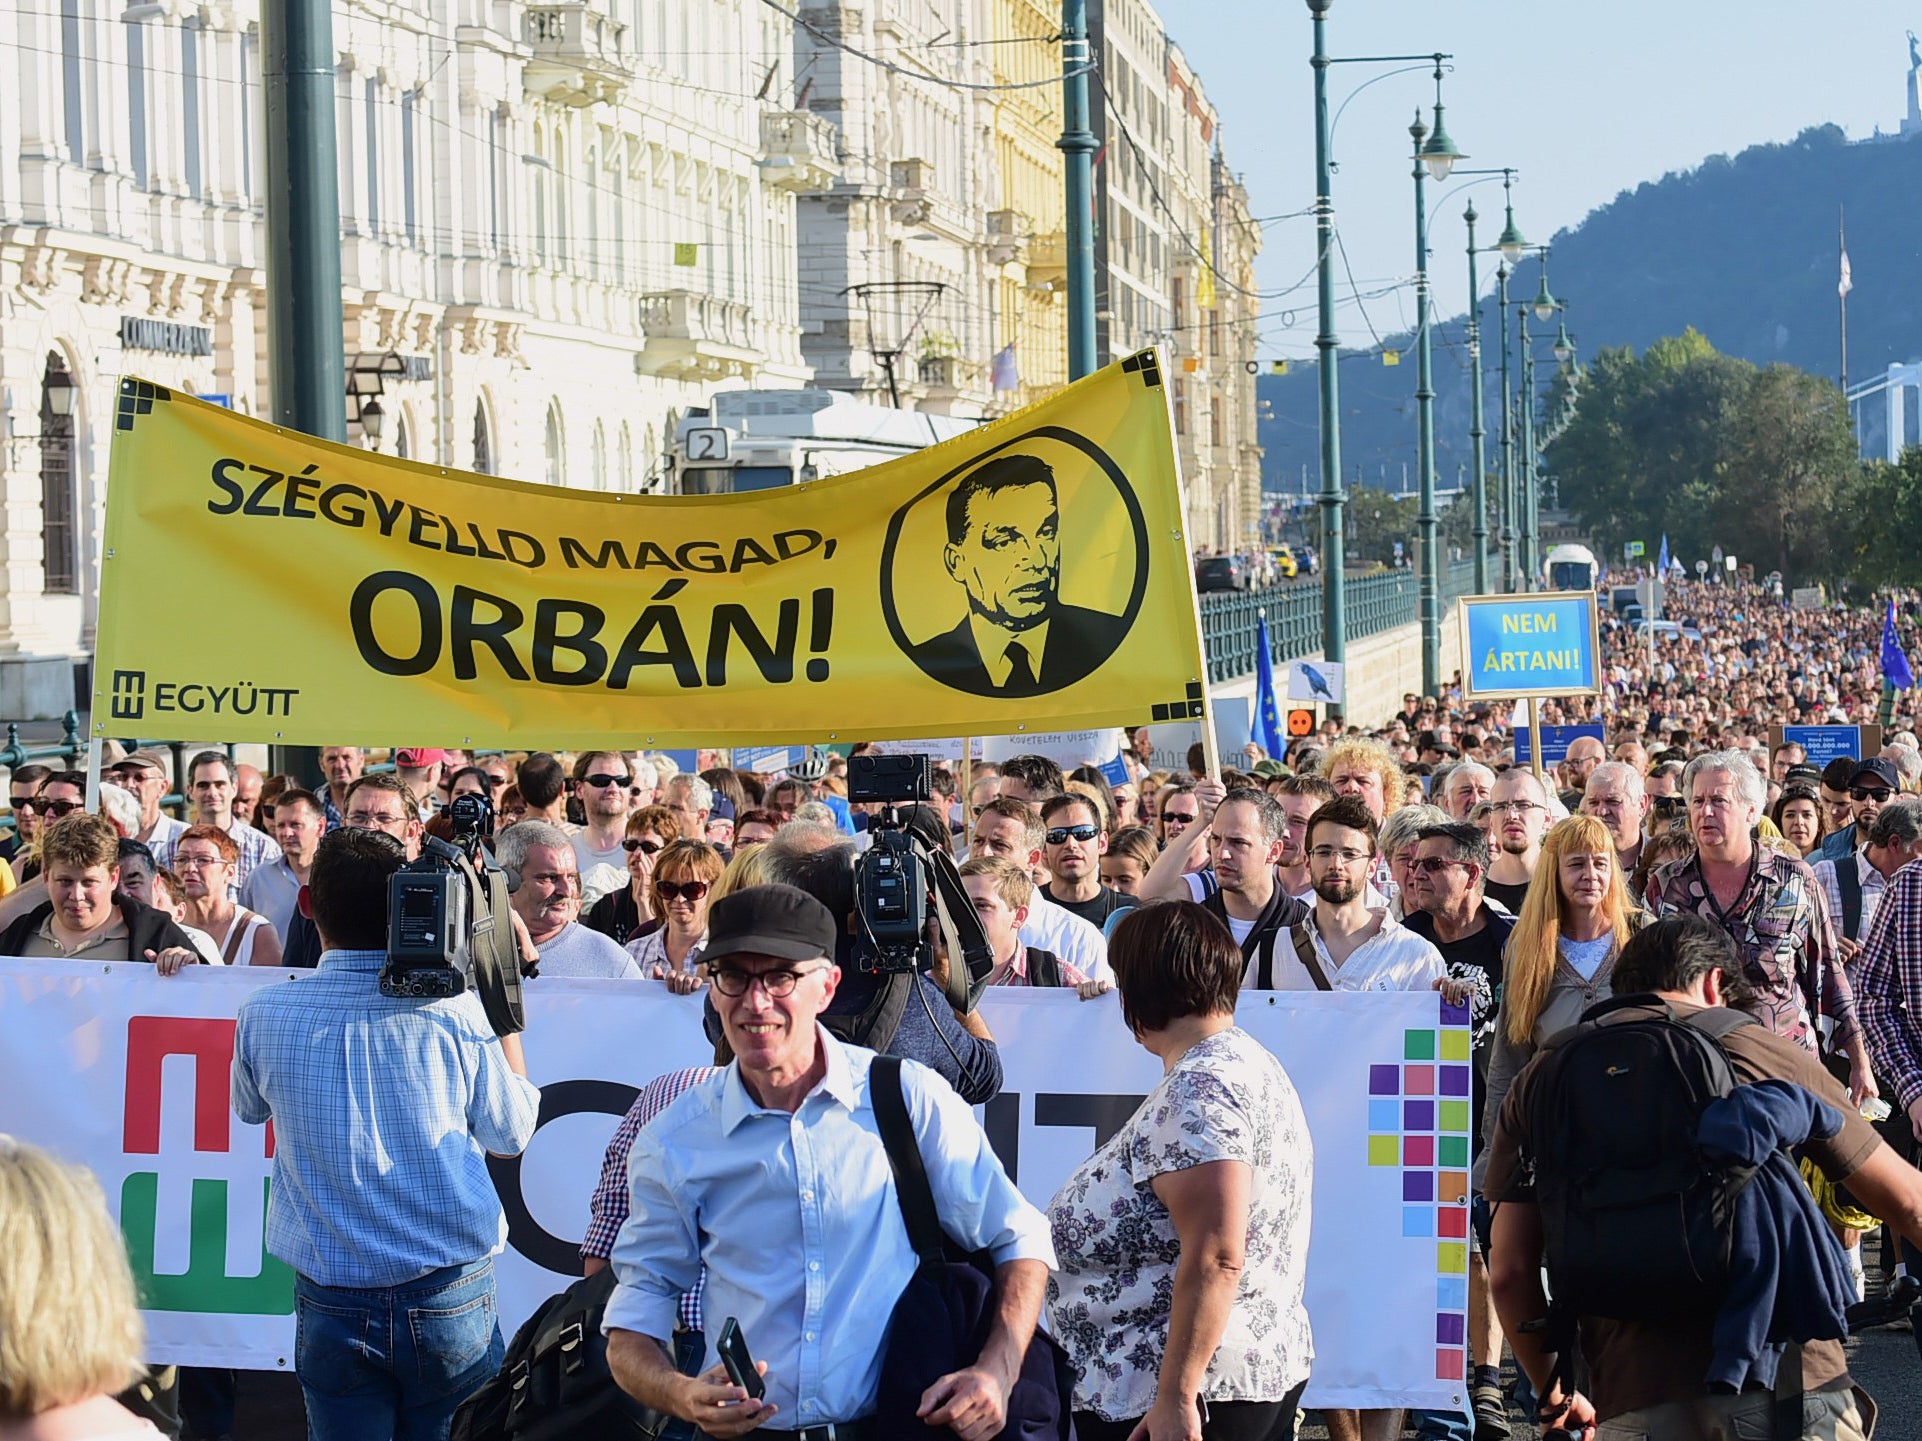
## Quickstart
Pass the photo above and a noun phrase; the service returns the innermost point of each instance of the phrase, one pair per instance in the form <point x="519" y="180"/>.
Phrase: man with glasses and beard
<point x="1520" y="807"/>
<point x="603" y="780"/>
<point x="1872" y="785"/>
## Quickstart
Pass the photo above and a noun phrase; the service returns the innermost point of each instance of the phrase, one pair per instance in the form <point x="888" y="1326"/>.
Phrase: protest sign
<point x="1031" y="574"/>
<point x="1824" y="743"/>
<point x="126" y="1072"/>
<point x="1542" y="646"/>
<point x="1555" y="742"/>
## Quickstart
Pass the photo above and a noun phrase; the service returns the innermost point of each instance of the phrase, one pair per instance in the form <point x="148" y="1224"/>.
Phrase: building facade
<point x="562" y="225"/>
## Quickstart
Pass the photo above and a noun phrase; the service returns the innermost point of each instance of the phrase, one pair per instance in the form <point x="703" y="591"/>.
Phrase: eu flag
<point x="1267" y="727"/>
<point x="1895" y="664"/>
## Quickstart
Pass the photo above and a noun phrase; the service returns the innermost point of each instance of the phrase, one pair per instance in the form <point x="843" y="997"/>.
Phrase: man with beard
<point x="1521" y="815"/>
<point x="1345" y="945"/>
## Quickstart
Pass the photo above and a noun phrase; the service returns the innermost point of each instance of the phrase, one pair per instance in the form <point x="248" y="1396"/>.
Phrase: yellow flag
<point x="1032" y="575"/>
<point x="1391" y="357"/>
<point x="1205" y="281"/>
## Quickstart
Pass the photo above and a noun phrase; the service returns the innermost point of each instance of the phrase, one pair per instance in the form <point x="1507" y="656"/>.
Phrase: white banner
<point x="127" y="1072"/>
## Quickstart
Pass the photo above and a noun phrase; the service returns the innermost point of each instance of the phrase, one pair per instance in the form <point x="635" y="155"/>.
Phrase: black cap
<point x="1882" y="770"/>
<point x="1803" y="775"/>
<point x="771" y="920"/>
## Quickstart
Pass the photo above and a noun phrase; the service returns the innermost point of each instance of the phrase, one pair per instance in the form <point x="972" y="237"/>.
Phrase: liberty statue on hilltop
<point x="1912" y="122"/>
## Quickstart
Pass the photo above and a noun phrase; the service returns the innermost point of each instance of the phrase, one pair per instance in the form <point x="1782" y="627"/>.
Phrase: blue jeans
<point x="394" y="1363"/>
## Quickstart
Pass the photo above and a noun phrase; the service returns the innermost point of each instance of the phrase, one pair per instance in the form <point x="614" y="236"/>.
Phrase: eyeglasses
<point x="1060" y="835"/>
<point x="56" y="809"/>
<point x="1328" y="855"/>
<point x="364" y="819"/>
<point x="689" y="891"/>
<point x="1180" y="818"/>
<point x="635" y="843"/>
<point x="1432" y="865"/>
<point x="778" y="982"/>
<point x="601" y="781"/>
<point x="1878" y="794"/>
<point x="194" y="863"/>
<point x="1516" y="808"/>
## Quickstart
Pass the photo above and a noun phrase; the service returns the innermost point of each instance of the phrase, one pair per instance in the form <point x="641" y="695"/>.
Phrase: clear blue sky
<point x="1586" y="100"/>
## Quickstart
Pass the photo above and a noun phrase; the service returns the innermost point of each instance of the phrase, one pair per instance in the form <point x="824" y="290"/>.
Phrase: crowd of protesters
<point x="1413" y="854"/>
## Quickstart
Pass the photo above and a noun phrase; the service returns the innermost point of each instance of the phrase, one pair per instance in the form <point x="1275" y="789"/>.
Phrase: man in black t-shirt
<point x="1074" y="844"/>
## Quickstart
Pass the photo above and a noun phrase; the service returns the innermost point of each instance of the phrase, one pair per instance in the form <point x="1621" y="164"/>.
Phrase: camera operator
<point x="900" y="1013"/>
<point x="384" y="1110"/>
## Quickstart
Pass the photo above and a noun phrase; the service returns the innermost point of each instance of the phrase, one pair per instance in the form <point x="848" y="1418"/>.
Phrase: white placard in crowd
<point x="127" y="1072"/>
<point x="1066" y="749"/>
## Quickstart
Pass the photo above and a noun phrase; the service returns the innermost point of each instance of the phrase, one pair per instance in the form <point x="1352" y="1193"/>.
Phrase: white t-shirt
<point x="1050" y="927"/>
<point x="1585" y="957"/>
<point x="1393" y="959"/>
<point x="589" y="858"/>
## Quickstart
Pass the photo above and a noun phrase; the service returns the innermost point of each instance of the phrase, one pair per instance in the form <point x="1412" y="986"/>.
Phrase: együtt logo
<point x="129" y="694"/>
<point x="207" y="1181"/>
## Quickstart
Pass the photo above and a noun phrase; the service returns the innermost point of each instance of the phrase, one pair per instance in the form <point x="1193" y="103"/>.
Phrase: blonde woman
<point x="1561" y="954"/>
<point x="70" y="1332"/>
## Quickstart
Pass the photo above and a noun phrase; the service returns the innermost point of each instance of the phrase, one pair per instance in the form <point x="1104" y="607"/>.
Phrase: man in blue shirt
<point x="787" y="1133"/>
<point x="384" y="1112"/>
<point x="1872" y="785"/>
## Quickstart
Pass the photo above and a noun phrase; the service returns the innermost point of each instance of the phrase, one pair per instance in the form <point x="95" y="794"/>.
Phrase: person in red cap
<point x="419" y="771"/>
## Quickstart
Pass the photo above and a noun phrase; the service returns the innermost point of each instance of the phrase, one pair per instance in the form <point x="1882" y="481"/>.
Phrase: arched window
<point x="598" y="457"/>
<point x="59" y="504"/>
<point x="556" y="446"/>
<point x="483" y="444"/>
<point x="403" y="439"/>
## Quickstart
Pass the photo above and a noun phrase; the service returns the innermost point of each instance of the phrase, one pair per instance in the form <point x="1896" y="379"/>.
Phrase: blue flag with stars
<point x="1895" y="662"/>
<point x="1267" y="728"/>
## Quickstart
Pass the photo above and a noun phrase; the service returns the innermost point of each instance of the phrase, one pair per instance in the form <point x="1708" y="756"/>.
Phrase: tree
<point x="1377" y="520"/>
<point x="1790" y="453"/>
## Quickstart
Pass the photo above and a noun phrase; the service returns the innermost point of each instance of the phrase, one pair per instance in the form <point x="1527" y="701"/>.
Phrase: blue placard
<point x="1531" y="645"/>
<point x="1555" y="742"/>
<point x="766" y="759"/>
<point x="1823" y="744"/>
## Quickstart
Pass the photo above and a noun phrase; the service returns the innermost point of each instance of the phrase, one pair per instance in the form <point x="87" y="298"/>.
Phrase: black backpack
<point x="554" y="1383"/>
<point x="1636" y="1221"/>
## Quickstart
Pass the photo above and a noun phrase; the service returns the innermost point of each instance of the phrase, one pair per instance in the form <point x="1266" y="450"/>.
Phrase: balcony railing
<point x="797" y="151"/>
<point x="580" y="54"/>
<point x="1376" y="601"/>
<point x="690" y="334"/>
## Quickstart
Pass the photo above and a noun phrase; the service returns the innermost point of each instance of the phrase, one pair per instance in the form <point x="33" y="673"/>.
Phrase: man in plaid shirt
<point x="1888" y="996"/>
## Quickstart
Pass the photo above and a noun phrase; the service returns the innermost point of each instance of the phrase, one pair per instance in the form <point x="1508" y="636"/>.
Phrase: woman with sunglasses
<point x="629" y="913"/>
<point x="684" y="873"/>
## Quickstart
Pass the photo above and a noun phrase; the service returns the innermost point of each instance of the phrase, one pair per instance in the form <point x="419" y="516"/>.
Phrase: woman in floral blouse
<point x="1183" y="1242"/>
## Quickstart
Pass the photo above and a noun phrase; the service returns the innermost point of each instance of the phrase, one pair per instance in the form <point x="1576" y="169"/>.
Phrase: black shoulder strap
<point x="1044" y="967"/>
<point x="876" y="1025"/>
<point x="911" y="1186"/>
<point x="1848" y="880"/>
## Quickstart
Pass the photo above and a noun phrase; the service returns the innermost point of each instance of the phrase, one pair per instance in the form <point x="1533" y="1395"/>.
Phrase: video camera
<point x="449" y="924"/>
<point x="900" y="883"/>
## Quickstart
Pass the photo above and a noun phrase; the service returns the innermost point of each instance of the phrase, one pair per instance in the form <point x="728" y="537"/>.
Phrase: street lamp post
<point x="1544" y="306"/>
<point x="1435" y="154"/>
<point x="1477" y="456"/>
<point x="1508" y="437"/>
<point x="1334" y="608"/>
<point x="1078" y="145"/>
<point x="1509" y="246"/>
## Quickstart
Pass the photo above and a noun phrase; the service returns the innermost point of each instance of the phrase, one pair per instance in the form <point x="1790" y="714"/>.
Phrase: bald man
<point x="1584" y="754"/>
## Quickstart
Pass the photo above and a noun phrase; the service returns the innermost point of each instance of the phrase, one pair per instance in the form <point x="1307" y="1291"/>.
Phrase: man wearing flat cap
<point x="788" y="1131"/>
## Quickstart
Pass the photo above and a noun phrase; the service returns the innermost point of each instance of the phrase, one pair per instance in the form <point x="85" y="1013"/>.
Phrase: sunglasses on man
<point x="1878" y="794"/>
<point x="1061" y="835"/>
<point x="57" y="809"/>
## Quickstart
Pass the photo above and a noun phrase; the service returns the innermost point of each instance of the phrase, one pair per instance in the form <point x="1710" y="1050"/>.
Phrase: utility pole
<point x="1525" y="480"/>
<point x="1334" y="564"/>
<point x="1508" y="437"/>
<point x="306" y="370"/>
<point x="1078" y="144"/>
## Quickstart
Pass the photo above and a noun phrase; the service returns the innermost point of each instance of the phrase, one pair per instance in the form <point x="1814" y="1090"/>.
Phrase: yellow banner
<point x="261" y="585"/>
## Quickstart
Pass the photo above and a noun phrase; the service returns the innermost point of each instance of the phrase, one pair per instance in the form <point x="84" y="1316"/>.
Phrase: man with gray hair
<point x="690" y="798"/>
<point x="1854" y="885"/>
<point x="548" y="901"/>
<point x="1465" y="787"/>
<point x="1616" y="797"/>
<point x="1769" y="903"/>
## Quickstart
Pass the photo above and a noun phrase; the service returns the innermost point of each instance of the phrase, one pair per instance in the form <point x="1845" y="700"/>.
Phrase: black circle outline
<point x="558" y="1099"/>
<point x="1136" y="519"/>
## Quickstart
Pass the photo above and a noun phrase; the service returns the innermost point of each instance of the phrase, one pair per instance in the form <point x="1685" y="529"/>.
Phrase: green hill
<point x="1741" y="248"/>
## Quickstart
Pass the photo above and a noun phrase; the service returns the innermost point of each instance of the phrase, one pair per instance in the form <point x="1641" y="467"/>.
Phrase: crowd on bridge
<point x="1689" y="857"/>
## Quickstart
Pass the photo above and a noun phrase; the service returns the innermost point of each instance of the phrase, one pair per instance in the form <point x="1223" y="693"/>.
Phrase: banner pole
<point x="94" y="747"/>
<point x="967" y="791"/>
<point x="1535" y="739"/>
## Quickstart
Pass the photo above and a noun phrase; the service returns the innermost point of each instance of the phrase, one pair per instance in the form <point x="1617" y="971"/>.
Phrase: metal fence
<point x="1377" y="601"/>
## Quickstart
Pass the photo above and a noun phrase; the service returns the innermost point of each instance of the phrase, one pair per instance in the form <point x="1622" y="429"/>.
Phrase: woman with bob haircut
<point x="1185" y="1238"/>
<point x="70" y="1331"/>
<point x="1561" y="955"/>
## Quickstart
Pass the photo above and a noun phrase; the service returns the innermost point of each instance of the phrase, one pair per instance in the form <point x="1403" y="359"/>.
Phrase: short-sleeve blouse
<point x="1112" y="1293"/>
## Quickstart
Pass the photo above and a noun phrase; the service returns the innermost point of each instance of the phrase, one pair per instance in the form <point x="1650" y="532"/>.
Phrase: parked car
<point x="1309" y="561"/>
<point x="1220" y="572"/>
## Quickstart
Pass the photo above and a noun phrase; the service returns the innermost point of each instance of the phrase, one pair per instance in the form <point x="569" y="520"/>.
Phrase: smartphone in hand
<point x="739" y="1360"/>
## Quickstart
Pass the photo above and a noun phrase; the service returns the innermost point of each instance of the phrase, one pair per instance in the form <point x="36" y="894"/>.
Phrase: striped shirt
<point x="1889" y="985"/>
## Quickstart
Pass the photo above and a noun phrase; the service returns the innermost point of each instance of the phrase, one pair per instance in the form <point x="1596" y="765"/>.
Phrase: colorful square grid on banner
<point x="1418" y="1117"/>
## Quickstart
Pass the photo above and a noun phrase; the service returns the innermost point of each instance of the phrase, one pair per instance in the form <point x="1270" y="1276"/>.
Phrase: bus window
<point x="704" y="480"/>
<point x="762" y="477"/>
